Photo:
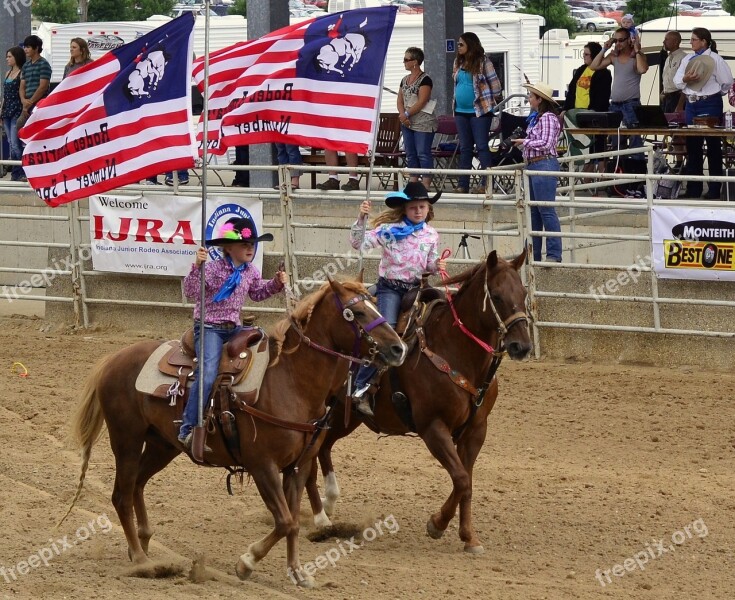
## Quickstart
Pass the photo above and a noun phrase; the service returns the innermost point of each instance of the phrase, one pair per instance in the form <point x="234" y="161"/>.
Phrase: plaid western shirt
<point x="542" y="137"/>
<point x="486" y="85"/>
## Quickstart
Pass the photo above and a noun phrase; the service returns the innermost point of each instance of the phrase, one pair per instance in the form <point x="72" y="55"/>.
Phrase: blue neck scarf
<point x="232" y="282"/>
<point x="400" y="232"/>
<point x="532" y="118"/>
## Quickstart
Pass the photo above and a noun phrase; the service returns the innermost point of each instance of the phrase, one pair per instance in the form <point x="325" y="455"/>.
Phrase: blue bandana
<point x="532" y="118"/>
<point x="232" y="282"/>
<point x="400" y="232"/>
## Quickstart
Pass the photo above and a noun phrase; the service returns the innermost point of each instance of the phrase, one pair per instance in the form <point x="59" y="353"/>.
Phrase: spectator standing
<point x="242" y="158"/>
<point x="79" y="56"/>
<point x="289" y="154"/>
<point x="629" y="63"/>
<point x="476" y="91"/>
<point x="35" y="76"/>
<point x="417" y="123"/>
<point x="672" y="99"/>
<point x="539" y="152"/>
<point x="332" y="183"/>
<point x="12" y="107"/>
<point x="703" y="77"/>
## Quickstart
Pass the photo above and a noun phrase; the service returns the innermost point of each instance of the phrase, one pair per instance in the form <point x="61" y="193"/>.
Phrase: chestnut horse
<point x="450" y="383"/>
<point x="328" y="329"/>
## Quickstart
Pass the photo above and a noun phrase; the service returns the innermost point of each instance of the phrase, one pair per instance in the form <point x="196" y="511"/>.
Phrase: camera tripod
<point x="463" y="245"/>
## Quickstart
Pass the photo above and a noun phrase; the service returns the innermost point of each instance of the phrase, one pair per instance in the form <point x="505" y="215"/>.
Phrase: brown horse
<point x="450" y="384"/>
<point x="335" y="323"/>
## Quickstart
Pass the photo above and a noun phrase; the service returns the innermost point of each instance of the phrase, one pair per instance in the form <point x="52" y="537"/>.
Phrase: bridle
<point x="361" y="332"/>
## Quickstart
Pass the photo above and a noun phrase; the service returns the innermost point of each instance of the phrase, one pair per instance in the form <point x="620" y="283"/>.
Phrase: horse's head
<point x="358" y="327"/>
<point x="504" y="303"/>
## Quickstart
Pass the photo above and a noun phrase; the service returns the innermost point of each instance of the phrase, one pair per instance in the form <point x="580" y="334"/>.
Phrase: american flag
<point x="117" y="120"/>
<point x="316" y="83"/>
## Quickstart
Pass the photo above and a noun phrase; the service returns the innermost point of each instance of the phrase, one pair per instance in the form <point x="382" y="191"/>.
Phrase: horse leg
<point x="469" y="447"/>
<point x="439" y="442"/>
<point x="293" y="488"/>
<point x="321" y="520"/>
<point x="127" y="448"/>
<point x="268" y="482"/>
<point x="156" y="456"/>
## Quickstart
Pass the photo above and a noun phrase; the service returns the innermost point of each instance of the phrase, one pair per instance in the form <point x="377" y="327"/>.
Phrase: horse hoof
<point x="328" y="506"/>
<point x="321" y="521"/>
<point x="307" y="582"/>
<point x="245" y="567"/>
<point x="474" y="549"/>
<point x="433" y="531"/>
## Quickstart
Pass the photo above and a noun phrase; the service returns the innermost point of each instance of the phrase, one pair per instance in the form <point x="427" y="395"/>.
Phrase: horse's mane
<point x="302" y="312"/>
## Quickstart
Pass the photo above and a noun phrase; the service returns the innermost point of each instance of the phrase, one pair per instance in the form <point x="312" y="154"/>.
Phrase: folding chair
<point x="445" y="150"/>
<point x="387" y="150"/>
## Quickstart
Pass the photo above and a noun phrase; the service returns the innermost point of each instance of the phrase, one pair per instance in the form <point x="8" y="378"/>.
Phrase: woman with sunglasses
<point x="476" y="91"/>
<point x="418" y="123"/>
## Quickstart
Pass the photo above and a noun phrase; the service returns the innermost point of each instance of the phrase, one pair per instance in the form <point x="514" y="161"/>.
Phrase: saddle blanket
<point x="150" y="377"/>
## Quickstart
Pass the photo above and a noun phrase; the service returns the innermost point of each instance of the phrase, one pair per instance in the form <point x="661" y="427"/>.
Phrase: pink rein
<point x="457" y="321"/>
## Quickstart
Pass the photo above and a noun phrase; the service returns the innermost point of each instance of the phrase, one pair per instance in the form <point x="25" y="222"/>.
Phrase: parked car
<point x="592" y="21"/>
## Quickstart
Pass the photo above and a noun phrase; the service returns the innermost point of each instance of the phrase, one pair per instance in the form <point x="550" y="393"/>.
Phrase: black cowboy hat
<point x="414" y="190"/>
<point x="237" y="230"/>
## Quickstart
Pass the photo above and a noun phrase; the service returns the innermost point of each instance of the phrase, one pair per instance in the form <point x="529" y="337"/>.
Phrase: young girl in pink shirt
<point x="410" y="248"/>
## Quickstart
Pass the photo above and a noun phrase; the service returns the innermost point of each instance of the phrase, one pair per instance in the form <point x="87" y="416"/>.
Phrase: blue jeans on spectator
<point x="214" y="340"/>
<point x="417" y="145"/>
<point x="16" y="150"/>
<point x="630" y="119"/>
<point x="389" y="296"/>
<point x="695" y="148"/>
<point x="289" y="154"/>
<point x="544" y="218"/>
<point x="473" y="131"/>
<point x="182" y="175"/>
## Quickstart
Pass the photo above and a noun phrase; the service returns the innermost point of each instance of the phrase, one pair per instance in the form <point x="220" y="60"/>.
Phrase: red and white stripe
<point x="334" y="116"/>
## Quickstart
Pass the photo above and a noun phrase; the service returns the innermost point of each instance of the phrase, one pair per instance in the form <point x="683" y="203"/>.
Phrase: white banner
<point x="160" y="234"/>
<point x="693" y="243"/>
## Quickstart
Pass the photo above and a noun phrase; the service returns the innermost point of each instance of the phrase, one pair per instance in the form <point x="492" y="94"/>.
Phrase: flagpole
<point x="199" y="429"/>
<point x="376" y="120"/>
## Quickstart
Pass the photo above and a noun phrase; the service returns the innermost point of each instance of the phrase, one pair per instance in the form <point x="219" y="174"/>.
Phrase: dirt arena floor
<point x="591" y="475"/>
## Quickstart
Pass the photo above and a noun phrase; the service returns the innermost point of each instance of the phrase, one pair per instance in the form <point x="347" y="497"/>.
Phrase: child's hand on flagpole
<point x="281" y="277"/>
<point x="201" y="257"/>
<point x="365" y="209"/>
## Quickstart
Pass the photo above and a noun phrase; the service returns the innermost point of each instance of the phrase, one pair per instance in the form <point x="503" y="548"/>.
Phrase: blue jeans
<point x="389" y="305"/>
<point x="16" y="150"/>
<point x="695" y="154"/>
<point x="630" y="119"/>
<point x="214" y="340"/>
<point x="289" y="154"/>
<point x="417" y="145"/>
<point x="544" y="218"/>
<point x="473" y="131"/>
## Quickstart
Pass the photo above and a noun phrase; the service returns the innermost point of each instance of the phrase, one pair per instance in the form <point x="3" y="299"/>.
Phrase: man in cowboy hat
<point x="227" y="281"/>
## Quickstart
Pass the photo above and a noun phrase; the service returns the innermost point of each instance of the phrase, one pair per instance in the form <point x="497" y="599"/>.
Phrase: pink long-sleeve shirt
<point x="404" y="260"/>
<point x="216" y="273"/>
<point x="542" y="137"/>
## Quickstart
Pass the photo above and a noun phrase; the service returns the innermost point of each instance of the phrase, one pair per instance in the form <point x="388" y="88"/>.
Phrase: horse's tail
<point x="86" y="425"/>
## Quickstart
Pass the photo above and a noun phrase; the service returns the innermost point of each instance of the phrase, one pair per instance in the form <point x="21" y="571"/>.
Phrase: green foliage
<point x="110" y="10"/>
<point x="555" y="13"/>
<point x="55" y="11"/>
<point x="729" y="6"/>
<point x="145" y="8"/>
<point x="241" y="8"/>
<point x="648" y="10"/>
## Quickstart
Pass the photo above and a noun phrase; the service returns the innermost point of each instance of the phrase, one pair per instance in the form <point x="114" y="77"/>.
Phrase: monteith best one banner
<point x="122" y="118"/>
<point x="316" y="83"/>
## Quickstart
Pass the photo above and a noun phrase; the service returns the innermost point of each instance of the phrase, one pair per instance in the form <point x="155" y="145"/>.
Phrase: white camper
<point x="105" y="36"/>
<point x="512" y="40"/>
<point x="652" y="37"/>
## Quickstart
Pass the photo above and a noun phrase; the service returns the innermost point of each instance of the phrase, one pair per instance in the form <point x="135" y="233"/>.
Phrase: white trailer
<point x="105" y="36"/>
<point x="722" y="29"/>
<point x="511" y="39"/>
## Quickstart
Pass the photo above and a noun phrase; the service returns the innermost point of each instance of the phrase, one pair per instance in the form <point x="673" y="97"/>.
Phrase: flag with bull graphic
<point x="315" y="83"/>
<point x="122" y="118"/>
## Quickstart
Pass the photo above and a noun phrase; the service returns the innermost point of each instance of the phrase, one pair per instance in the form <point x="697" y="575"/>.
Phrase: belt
<point x="224" y="325"/>
<point x="398" y="284"/>
<point x="534" y="159"/>
<point x="692" y="98"/>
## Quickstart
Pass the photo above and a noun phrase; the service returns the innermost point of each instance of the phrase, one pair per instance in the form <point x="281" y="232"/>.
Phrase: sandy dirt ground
<point x="585" y="467"/>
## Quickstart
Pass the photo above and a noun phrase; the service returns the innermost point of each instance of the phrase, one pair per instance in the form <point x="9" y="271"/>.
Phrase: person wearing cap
<point x="410" y="248"/>
<point x="539" y="152"/>
<point x="227" y="280"/>
<point x="703" y="77"/>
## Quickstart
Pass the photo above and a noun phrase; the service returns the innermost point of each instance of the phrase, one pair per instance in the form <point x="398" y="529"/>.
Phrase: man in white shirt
<point x="671" y="96"/>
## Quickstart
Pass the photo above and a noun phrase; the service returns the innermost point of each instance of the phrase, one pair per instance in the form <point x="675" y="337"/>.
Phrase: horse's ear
<point x="361" y="276"/>
<point x="336" y="286"/>
<point x="520" y="259"/>
<point x="492" y="260"/>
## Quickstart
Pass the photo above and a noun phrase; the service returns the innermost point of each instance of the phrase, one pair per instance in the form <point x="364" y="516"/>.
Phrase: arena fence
<point x="600" y="239"/>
